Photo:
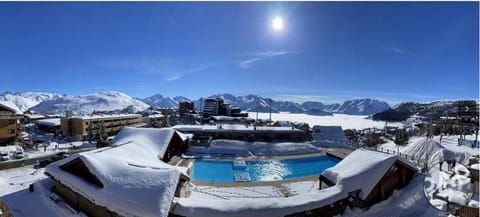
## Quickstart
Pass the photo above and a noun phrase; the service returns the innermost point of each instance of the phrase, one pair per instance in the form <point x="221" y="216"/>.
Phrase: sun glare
<point x="277" y="23"/>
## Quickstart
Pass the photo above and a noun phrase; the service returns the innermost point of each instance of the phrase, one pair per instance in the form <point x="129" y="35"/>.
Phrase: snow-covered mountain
<point x="86" y="104"/>
<point x="26" y="100"/>
<point x="251" y="103"/>
<point x="158" y="100"/>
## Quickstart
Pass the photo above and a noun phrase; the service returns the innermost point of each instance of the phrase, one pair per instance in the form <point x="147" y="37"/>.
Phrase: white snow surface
<point x="136" y="182"/>
<point x="346" y="121"/>
<point x="11" y="106"/>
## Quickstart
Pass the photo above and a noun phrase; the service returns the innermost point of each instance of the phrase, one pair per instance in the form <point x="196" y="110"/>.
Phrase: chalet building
<point x="50" y="125"/>
<point x="32" y="118"/>
<point x="94" y="127"/>
<point x="329" y="136"/>
<point x="10" y="116"/>
<point x="371" y="182"/>
<point x="154" y="120"/>
<point x="90" y="181"/>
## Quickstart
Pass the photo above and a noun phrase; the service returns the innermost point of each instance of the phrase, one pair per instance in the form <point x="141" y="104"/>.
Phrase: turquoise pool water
<point x="261" y="170"/>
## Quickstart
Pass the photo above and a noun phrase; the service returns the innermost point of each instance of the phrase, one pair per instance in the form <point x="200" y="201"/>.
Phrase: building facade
<point x="10" y="117"/>
<point x="95" y="127"/>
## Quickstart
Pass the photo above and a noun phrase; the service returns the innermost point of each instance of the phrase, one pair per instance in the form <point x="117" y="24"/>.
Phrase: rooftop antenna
<point x="270" y="106"/>
<point x="257" y="111"/>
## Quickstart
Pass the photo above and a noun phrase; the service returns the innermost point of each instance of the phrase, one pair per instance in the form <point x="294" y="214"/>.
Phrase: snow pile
<point x="346" y="174"/>
<point x="364" y="165"/>
<point x="409" y="201"/>
<point x="12" y="107"/>
<point x="444" y="186"/>
<point x="26" y="100"/>
<point x="135" y="182"/>
<point x="86" y="104"/>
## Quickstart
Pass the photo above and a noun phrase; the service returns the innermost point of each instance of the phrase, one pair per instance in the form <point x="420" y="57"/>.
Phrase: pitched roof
<point x="362" y="169"/>
<point x="135" y="181"/>
<point x="11" y="106"/>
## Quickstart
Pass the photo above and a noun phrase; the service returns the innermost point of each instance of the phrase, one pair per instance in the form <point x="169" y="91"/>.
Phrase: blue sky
<point x="326" y="51"/>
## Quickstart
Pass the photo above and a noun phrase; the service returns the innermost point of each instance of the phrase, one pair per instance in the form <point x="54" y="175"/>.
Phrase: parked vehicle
<point x="4" y="156"/>
<point x="18" y="154"/>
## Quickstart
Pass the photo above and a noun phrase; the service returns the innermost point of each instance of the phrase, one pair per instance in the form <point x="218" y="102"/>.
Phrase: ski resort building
<point x="93" y="127"/>
<point x="329" y="136"/>
<point x="50" y="125"/>
<point x="242" y="132"/>
<point x="10" y="116"/>
<point x="128" y="179"/>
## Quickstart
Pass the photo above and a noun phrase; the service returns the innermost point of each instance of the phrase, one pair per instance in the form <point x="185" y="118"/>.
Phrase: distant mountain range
<point x="404" y="110"/>
<point x="252" y="103"/>
<point x="53" y="103"/>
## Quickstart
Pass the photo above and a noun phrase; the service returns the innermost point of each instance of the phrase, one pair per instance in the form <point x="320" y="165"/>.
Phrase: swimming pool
<point x="260" y="170"/>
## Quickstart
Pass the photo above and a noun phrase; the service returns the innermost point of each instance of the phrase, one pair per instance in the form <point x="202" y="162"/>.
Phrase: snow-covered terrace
<point x="345" y="175"/>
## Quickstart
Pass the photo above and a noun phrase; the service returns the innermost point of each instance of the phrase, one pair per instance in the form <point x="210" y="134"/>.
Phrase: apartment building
<point x="10" y="116"/>
<point x="95" y="127"/>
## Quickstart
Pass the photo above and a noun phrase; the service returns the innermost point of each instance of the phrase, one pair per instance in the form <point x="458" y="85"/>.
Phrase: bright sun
<point x="277" y="23"/>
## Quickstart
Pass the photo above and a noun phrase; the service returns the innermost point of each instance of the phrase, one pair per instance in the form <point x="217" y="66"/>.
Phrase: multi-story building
<point x="212" y="106"/>
<point x="217" y="107"/>
<point x="185" y="107"/>
<point x="94" y="127"/>
<point x="10" y="117"/>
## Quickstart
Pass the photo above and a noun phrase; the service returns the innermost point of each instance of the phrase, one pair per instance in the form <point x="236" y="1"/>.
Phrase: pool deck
<point x="336" y="152"/>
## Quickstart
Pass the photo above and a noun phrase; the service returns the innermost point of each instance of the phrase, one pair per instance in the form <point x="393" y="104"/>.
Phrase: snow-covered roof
<point x="34" y="116"/>
<point x="154" y="139"/>
<point x="233" y="127"/>
<point x="135" y="181"/>
<point x="106" y="116"/>
<point x="362" y="169"/>
<point x="49" y="122"/>
<point x="11" y="106"/>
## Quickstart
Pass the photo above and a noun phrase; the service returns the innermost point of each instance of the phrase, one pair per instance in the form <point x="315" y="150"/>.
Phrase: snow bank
<point x="135" y="182"/>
